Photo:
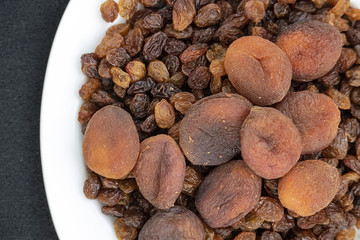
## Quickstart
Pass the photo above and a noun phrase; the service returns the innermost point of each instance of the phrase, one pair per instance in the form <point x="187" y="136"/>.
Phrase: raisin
<point x="158" y="71"/>
<point x="141" y="86"/>
<point x="331" y="78"/>
<point x="339" y="146"/>
<point x="123" y="231"/>
<point x="281" y="9"/>
<point x="355" y="96"/>
<point x="191" y="66"/>
<point x="246" y="236"/>
<point x="268" y="235"/>
<point x="250" y="222"/>
<point x="184" y="12"/>
<point x="184" y="34"/>
<point x="269" y="209"/>
<point x="203" y="35"/>
<point x="104" y="69"/>
<point x="109" y="10"/>
<point x="216" y="51"/>
<point x="346" y="234"/>
<point x="164" y="90"/>
<point x="139" y="105"/>
<point x="153" y="22"/>
<point x="134" y="41"/>
<point x="121" y="28"/>
<point x="230" y="29"/>
<point x="134" y="217"/>
<point x="352" y="129"/>
<point x="110" y="197"/>
<point x="174" y="46"/>
<point x="263" y="33"/>
<point x="208" y="15"/>
<point x="115" y="211"/>
<point x="92" y="186"/>
<point x="174" y="131"/>
<point x="89" y="63"/>
<point x="217" y="68"/>
<point x="182" y="101"/>
<point x="254" y="10"/>
<point x="193" y="52"/>
<point x="109" y="42"/>
<point x="127" y="8"/>
<point x="346" y="60"/>
<point x="172" y="63"/>
<point x="284" y="225"/>
<point x="164" y="114"/>
<point x="192" y="181"/>
<point x="86" y="111"/>
<point x="154" y="46"/>
<point x="340" y="99"/>
<point x="149" y="125"/>
<point x="119" y="91"/>
<point x="120" y="78"/>
<point x="102" y="98"/>
<point x="118" y="57"/>
<point x="353" y="163"/>
<point x="199" y="78"/>
<point x="88" y="88"/>
<point x="354" y="76"/>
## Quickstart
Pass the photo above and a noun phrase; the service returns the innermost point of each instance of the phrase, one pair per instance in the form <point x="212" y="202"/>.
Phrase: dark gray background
<point x="27" y="29"/>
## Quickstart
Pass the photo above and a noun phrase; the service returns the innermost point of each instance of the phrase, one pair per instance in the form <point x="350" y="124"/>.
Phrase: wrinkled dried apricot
<point x="265" y="137"/>
<point x="210" y="130"/>
<point x="227" y="194"/>
<point x="160" y="171"/>
<point x="111" y="143"/>
<point x="177" y="223"/>
<point x="315" y="115"/>
<point x="313" y="48"/>
<point x="258" y="69"/>
<point x="309" y="187"/>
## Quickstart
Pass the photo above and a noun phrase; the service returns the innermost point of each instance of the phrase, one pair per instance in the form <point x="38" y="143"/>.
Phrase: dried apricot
<point x="313" y="48"/>
<point x="258" y="69"/>
<point x="210" y="130"/>
<point x="309" y="187"/>
<point x="227" y="194"/>
<point x="111" y="143"/>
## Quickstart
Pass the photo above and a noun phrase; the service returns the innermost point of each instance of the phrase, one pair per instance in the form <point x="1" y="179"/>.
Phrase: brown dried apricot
<point x="315" y="115"/>
<point x="210" y="130"/>
<point x="160" y="171"/>
<point x="309" y="187"/>
<point x="313" y="48"/>
<point x="265" y="137"/>
<point x="258" y="69"/>
<point x="111" y="143"/>
<point x="227" y="194"/>
<point x="177" y="223"/>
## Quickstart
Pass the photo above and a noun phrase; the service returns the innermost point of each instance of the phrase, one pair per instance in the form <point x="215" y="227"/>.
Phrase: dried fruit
<point x="153" y="22"/>
<point x="338" y="147"/>
<point x="111" y="143"/>
<point x="184" y="12"/>
<point x="203" y="35"/>
<point x="313" y="48"/>
<point x="182" y="101"/>
<point x="89" y="63"/>
<point x="254" y="10"/>
<point x="164" y="114"/>
<point x="127" y="8"/>
<point x="208" y="15"/>
<point x="199" y="78"/>
<point x="109" y="42"/>
<point x="136" y="70"/>
<point x="315" y="115"/>
<point x="309" y="187"/>
<point x="121" y="28"/>
<point x="265" y="137"/>
<point x="109" y="10"/>
<point x="258" y="69"/>
<point x="141" y="86"/>
<point x="193" y="52"/>
<point x="246" y="236"/>
<point x="160" y="171"/>
<point x="158" y="71"/>
<point x="174" y="46"/>
<point x="192" y="181"/>
<point x="172" y="63"/>
<point x="118" y="57"/>
<point x="216" y="51"/>
<point x="210" y="130"/>
<point x="87" y="110"/>
<point x="269" y="209"/>
<point x="88" y="88"/>
<point x="230" y="29"/>
<point x="340" y="99"/>
<point x="134" y="41"/>
<point x="154" y="45"/>
<point x="177" y="222"/>
<point x="123" y="231"/>
<point x="227" y="194"/>
<point x="120" y="78"/>
<point x="92" y="186"/>
<point x="139" y="105"/>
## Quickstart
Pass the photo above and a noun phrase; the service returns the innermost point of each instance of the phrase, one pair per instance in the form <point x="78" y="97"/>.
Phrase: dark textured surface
<point x="27" y="30"/>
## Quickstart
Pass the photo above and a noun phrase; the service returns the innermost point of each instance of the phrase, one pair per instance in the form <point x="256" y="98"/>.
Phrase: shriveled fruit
<point x="124" y="231"/>
<point x="269" y="209"/>
<point x="127" y="8"/>
<point x="88" y="88"/>
<point x="309" y="187"/>
<point x="89" y="63"/>
<point x="208" y="15"/>
<point x="164" y="114"/>
<point x="265" y="137"/>
<point x="118" y="57"/>
<point x="120" y="78"/>
<point x="193" y="52"/>
<point x="160" y="171"/>
<point x="134" y="41"/>
<point x="227" y="194"/>
<point x="184" y="12"/>
<point x="254" y="10"/>
<point x="210" y="130"/>
<point x="136" y="70"/>
<point x="111" y="143"/>
<point x="315" y="115"/>
<point x="158" y="71"/>
<point x="258" y="69"/>
<point x="199" y="78"/>
<point x="246" y="236"/>
<point x="154" y="46"/>
<point x="177" y="223"/>
<point x="109" y="10"/>
<point x="313" y="48"/>
<point x="108" y="43"/>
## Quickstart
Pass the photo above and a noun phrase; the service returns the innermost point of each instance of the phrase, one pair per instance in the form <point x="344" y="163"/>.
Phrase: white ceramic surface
<point x="74" y="216"/>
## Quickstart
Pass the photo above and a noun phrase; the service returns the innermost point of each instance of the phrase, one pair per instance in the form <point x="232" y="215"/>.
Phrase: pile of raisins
<point x="168" y="125"/>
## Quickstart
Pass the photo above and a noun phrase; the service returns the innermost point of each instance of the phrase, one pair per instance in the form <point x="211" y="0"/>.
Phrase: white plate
<point x="74" y="216"/>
